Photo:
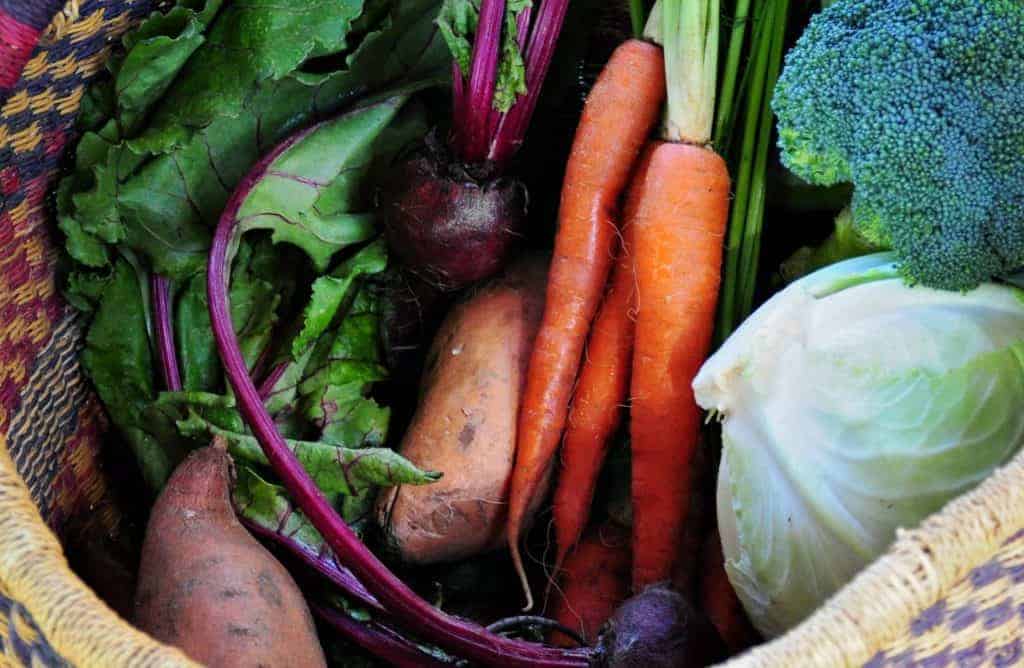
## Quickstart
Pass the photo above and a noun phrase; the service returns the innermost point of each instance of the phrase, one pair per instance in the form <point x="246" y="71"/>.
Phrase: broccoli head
<point x="920" y="104"/>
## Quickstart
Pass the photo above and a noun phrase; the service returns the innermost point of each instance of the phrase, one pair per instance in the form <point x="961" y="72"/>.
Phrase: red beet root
<point x="448" y="226"/>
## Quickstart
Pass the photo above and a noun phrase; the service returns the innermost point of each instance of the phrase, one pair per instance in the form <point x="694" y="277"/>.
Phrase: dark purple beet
<point x="658" y="628"/>
<point x="447" y="223"/>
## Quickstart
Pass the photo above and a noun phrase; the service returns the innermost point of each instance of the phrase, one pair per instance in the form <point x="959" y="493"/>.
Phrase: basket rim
<point x="919" y="569"/>
<point x="33" y="570"/>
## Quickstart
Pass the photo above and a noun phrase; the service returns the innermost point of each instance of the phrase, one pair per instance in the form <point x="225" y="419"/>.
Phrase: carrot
<point x="597" y="405"/>
<point x="620" y="111"/>
<point x="594" y="582"/>
<point x="719" y="601"/>
<point x="679" y="230"/>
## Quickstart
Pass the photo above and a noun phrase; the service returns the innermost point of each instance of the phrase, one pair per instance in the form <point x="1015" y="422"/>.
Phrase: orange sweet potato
<point x="208" y="587"/>
<point x="465" y="424"/>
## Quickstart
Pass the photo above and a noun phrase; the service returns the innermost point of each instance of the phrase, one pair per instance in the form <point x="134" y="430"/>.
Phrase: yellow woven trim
<point x="61" y="23"/>
<point x="75" y="622"/>
<point x="23" y="141"/>
<point x="35" y="66"/>
<point x="918" y="570"/>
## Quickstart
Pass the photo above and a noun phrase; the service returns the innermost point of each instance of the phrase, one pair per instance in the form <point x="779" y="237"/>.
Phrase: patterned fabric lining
<point x="49" y="454"/>
<point x="36" y="123"/>
<point x="21" y="24"/>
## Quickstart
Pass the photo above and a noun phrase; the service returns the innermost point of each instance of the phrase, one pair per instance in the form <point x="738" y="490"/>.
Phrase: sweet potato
<point x="206" y="585"/>
<point x="465" y="424"/>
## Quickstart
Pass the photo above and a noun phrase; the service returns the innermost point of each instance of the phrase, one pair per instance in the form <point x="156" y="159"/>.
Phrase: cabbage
<point x="852" y="405"/>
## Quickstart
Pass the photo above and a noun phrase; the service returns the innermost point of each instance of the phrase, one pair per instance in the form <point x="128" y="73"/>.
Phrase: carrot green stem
<point x="726" y="115"/>
<point x="688" y="32"/>
<point x="751" y="251"/>
<point x="742" y="250"/>
<point x="738" y="216"/>
<point x="636" y="17"/>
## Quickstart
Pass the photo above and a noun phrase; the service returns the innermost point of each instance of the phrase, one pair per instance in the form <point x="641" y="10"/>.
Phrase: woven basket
<point x="948" y="593"/>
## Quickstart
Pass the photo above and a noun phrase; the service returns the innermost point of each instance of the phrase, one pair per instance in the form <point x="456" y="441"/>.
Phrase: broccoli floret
<point x="920" y="104"/>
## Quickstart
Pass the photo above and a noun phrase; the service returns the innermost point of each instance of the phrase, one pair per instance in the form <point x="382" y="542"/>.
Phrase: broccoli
<point x="920" y="104"/>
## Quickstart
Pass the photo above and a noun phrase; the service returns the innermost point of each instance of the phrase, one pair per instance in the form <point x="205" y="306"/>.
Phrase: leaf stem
<point x="742" y="250"/>
<point x="751" y="251"/>
<point x="324" y="564"/>
<point x="377" y="639"/>
<point x="167" y="355"/>
<point x="636" y="17"/>
<point x="418" y="616"/>
<point x="726" y="113"/>
<point x="511" y="130"/>
<point x="688" y="32"/>
<point x="483" y="78"/>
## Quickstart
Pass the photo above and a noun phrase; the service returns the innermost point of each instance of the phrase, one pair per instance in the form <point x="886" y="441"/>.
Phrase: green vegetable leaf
<point x="325" y="166"/>
<point x="336" y="470"/>
<point x="268" y="506"/>
<point x="163" y="205"/>
<point x="347" y="421"/>
<point x="254" y="301"/>
<point x="457" y="23"/>
<point x="350" y="355"/>
<point x="84" y="289"/>
<point x="119" y="361"/>
<point x="156" y="52"/>
<point x="197" y="351"/>
<point x="329" y="292"/>
<point x="252" y="42"/>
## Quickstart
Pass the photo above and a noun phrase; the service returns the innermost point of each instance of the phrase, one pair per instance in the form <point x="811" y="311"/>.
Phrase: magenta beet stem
<point x="522" y="34"/>
<point x="160" y="288"/>
<point x="483" y="79"/>
<point x="512" y="128"/>
<point x="323" y="564"/>
<point x="421" y="618"/>
<point x="378" y="640"/>
<point x="267" y="386"/>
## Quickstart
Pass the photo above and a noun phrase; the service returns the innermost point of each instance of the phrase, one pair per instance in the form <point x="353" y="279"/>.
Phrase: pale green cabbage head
<point x="852" y="405"/>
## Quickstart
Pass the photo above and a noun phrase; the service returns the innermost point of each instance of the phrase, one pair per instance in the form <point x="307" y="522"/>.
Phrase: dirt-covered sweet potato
<point x="208" y="587"/>
<point x="465" y="424"/>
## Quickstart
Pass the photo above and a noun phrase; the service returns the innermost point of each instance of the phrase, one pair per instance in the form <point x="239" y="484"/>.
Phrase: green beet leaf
<point x="330" y="291"/>
<point x="118" y="359"/>
<point x="336" y="470"/>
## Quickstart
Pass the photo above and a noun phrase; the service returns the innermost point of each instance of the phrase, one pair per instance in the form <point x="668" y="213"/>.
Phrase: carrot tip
<point x="517" y="561"/>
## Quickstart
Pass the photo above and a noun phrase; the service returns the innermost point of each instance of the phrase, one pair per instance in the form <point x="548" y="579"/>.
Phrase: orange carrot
<point x="620" y="112"/>
<point x="598" y="403"/>
<point x="678" y="230"/>
<point x="594" y="582"/>
<point x="719" y="601"/>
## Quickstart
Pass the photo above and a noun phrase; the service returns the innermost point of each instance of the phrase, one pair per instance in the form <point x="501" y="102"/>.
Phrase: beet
<point x="450" y="224"/>
<point x="658" y="628"/>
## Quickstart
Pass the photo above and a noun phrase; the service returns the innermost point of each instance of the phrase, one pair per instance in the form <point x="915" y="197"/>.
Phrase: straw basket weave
<point x="950" y="593"/>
